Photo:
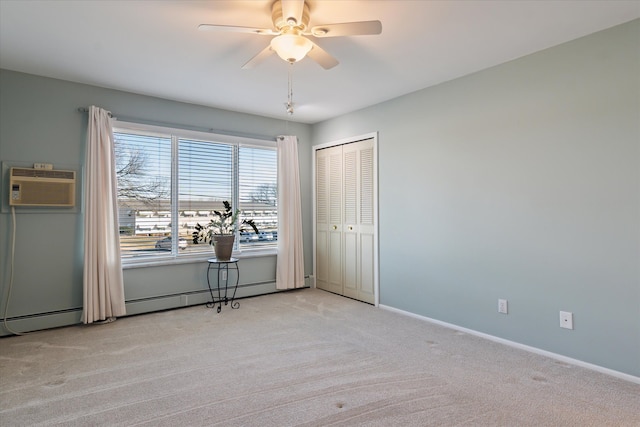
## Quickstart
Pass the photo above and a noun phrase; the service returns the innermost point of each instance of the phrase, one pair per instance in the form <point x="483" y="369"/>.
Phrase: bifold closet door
<point x="345" y="228"/>
<point x="358" y="221"/>
<point x="329" y="219"/>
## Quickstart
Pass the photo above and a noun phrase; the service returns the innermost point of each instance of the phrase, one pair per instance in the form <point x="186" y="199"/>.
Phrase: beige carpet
<point x="301" y="358"/>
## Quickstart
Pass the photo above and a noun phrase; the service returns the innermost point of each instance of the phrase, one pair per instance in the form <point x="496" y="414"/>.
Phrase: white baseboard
<point x="576" y="362"/>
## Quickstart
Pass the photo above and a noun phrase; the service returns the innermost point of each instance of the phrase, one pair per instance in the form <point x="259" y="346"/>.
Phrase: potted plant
<point x="220" y="231"/>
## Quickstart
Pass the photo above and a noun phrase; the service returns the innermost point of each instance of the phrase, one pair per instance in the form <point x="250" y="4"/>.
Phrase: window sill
<point x="193" y="259"/>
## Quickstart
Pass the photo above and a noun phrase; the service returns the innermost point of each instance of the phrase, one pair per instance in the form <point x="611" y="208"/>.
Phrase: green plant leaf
<point x="225" y="223"/>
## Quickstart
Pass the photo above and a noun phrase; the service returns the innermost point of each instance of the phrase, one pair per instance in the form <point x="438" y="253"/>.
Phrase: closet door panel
<point x="350" y="232"/>
<point x="367" y="252"/>
<point x="351" y="264"/>
<point x="365" y="220"/>
<point x="329" y="219"/>
<point x="335" y="220"/>
<point x="335" y="262"/>
<point x="322" y="220"/>
<point x="322" y="263"/>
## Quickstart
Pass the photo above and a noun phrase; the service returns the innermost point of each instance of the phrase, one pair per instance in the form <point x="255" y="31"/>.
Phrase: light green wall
<point x="519" y="182"/>
<point x="39" y="122"/>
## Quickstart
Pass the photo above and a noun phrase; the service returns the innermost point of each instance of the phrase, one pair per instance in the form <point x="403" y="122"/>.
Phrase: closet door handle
<point x="350" y="228"/>
<point x="335" y="227"/>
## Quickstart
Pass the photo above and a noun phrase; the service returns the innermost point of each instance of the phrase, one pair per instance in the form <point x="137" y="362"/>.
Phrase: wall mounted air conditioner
<point x="42" y="187"/>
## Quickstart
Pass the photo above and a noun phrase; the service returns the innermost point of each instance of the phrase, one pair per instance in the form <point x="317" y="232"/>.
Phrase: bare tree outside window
<point x="134" y="182"/>
<point x="266" y="194"/>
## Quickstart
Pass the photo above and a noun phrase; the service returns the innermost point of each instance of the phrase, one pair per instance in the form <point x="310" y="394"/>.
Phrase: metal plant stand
<point x="222" y="268"/>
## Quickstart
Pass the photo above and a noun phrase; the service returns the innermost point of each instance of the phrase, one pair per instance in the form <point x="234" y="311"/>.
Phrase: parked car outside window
<point x="165" y="244"/>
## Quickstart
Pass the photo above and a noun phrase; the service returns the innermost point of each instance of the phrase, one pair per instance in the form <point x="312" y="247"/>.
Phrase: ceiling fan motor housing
<point x="281" y="22"/>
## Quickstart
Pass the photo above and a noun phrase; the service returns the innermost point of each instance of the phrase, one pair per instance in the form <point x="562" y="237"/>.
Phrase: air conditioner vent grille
<point x="42" y="173"/>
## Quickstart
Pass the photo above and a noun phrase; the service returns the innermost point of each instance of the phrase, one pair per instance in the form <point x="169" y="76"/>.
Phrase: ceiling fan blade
<point x="292" y="9"/>
<point x="261" y="56"/>
<point x="362" y="28"/>
<point x="235" y="29"/>
<point x="321" y="56"/>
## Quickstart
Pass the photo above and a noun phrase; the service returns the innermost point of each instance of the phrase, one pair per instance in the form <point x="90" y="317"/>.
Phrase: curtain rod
<point x="181" y="126"/>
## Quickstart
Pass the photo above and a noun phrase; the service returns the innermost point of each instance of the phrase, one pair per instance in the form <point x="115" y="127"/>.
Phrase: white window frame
<point x="176" y="133"/>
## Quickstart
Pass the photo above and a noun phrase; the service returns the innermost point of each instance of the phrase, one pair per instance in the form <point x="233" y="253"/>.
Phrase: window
<point x="169" y="180"/>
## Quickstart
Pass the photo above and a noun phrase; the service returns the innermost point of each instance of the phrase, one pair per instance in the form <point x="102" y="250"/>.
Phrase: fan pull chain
<point x="290" y="90"/>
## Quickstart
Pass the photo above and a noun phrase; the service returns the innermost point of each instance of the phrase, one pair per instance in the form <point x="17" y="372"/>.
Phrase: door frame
<point x="344" y="141"/>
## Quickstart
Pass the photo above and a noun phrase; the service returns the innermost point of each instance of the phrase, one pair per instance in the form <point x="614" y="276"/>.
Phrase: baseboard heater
<point x="73" y="316"/>
<point x="39" y="321"/>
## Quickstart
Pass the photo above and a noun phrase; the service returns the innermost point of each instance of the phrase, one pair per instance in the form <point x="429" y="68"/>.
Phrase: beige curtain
<point x="102" y="280"/>
<point x="290" y="260"/>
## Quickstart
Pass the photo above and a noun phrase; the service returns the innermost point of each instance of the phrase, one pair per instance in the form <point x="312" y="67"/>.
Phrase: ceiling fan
<point x="291" y="25"/>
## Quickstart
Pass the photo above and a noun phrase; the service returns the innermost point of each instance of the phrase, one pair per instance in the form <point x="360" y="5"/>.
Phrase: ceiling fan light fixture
<point x="291" y="47"/>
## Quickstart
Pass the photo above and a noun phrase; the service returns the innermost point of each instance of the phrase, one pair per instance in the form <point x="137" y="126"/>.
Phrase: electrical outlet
<point x="502" y="306"/>
<point x="566" y="319"/>
<point x="223" y="275"/>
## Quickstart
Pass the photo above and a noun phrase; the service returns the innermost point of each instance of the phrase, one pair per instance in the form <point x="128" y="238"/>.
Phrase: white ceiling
<point x="154" y="47"/>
